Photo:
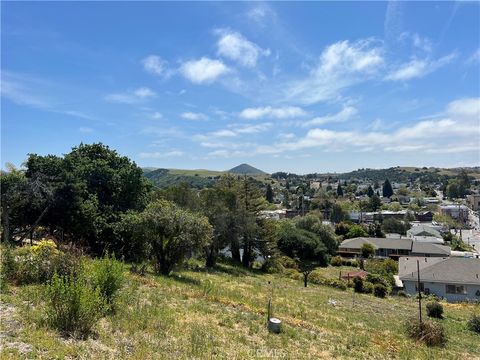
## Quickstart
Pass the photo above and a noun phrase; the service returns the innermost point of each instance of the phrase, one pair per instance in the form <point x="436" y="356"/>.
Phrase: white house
<point x="452" y="278"/>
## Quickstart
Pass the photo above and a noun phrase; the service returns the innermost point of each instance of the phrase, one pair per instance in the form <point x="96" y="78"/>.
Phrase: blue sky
<point x="301" y="87"/>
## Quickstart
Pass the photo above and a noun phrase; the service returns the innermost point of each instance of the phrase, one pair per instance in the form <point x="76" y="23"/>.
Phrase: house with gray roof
<point x="392" y="247"/>
<point x="423" y="230"/>
<point x="452" y="278"/>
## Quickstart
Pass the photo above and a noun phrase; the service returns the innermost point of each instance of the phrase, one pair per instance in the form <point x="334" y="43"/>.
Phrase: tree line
<point x="99" y="200"/>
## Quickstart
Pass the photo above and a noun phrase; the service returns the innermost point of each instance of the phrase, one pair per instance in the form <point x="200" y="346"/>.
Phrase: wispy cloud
<point x="161" y="155"/>
<point x="418" y="68"/>
<point x="341" y="65"/>
<point x="272" y="113"/>
<point x="131" y="97"/>
<point x="34" y="92"/>
<point x="194" y="116"/>
<point x="343" y="115"/>
<point x="235" y="46"/>
<point x="85" y="130"/>
<point x="474" y="58"/>
<point x="204" y="70"/>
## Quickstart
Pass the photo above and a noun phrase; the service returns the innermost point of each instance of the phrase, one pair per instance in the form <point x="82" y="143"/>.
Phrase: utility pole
<point x="419" y="293"/>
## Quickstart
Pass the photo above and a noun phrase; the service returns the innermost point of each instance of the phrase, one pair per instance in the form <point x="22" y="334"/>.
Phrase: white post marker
<point x="274" y="325"/>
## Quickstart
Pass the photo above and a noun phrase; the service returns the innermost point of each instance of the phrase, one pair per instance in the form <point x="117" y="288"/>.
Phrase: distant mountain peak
<point x="245" y="169"/>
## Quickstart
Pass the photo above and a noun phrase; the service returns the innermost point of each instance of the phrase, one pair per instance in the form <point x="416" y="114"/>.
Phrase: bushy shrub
<point x="368" y="287"/>
<point x="7" y="266"/>
<point x="272" y="266"/>
<point x="107" y="275"/>
<point x="317" y="278"/>
<point x="73" y="307"/>
<point x="288" y="262"/>
<point x="350" y="262"/>
<point x="402" y="293"/>
<point x="427" y="331"/>
<point x="293" y="274"/>
<point x="380" y="290"/>
<point x="339" y="284"/>
<point x="474" y="323"/>
<point x="38" y="263"/>
<point x="435" y="309"/>
<point x="358" y="285"/>
<point x="336" y="261"/>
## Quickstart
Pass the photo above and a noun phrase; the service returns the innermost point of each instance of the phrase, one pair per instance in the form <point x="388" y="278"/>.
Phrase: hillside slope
<point x="246" y="169"/>
<point x="222" y="313"/>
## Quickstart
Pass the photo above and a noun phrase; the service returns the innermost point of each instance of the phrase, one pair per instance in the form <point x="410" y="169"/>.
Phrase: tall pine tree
<point x="387" y="189"/>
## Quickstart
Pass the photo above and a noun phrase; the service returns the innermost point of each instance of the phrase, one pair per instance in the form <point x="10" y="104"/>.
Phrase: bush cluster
<point x="106" y="274"/>
<point x="339" y="261"/>
<point x="317" y="278"/>
<point x="435" y="309"/>
<point x="367" y="287"/>
<point x="474" y="323"/>
<point x="38" y="263"/>
<point x="427" y="331"/>
<point x="73" y="307"/>
<point x="380" y="290"/>
<point x="76" y="301"/>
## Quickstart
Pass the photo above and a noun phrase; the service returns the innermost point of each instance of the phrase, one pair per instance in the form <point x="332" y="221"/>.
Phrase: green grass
<point x="196" y="314"/>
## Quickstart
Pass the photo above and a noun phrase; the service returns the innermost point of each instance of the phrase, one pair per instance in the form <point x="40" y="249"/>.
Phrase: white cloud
<point x="458" y="132"/>
<point x="418" y="68"/>
<point x="194" y="116"/>
<point x="224" y="133"/>
<point x="161" y="155"/>
<point x="204" y="70"/>
<point x="474" y="58"/>
<point x="156" y="115"/>
<point x="131" y="97"/>
<point x="144" y="93"/>
<point x="469" y="107"/>
<point x="85" y="130"/>
<point x="341" y="65"/>
<point x="345" y="114"/>
<point x="269" y="112"/>
<point x="234" y="46"/>
<point x="156" y="65"/>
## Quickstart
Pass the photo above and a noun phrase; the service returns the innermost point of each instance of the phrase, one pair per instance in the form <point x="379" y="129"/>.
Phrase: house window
<point x="456" y="289"/>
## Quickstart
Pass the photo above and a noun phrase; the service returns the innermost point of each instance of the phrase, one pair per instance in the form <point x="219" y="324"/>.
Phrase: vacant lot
<point x="222" y="314"/>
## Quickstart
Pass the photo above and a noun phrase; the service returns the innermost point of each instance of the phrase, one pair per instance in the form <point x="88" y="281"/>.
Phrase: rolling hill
<point x="246" y="169"/>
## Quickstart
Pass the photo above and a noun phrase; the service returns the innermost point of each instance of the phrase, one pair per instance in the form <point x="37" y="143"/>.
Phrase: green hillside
<point x="246" y="169"/>
<point x="221" y="314"/>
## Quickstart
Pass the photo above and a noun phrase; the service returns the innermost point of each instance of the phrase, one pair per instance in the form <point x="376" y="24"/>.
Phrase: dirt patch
<point x="10" y="327"/>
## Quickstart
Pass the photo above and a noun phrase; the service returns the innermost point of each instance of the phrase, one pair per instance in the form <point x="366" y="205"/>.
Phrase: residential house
<point x="392" y="247"/>
<point x="426" y="216"/>
<point x="457" y="212"/>
<point x="452" y="278"/>
<point x="423" y="230"/>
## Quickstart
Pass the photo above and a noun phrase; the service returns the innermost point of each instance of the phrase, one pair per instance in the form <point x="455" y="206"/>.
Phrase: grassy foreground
<point x="195" y="314"/>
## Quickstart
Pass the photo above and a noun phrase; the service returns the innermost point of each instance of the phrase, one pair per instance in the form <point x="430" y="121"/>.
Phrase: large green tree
<point x="173" y="233"/>
<point x="92" y="186"/>
<point x="387" y="189"/>
<point x="303" y="246"/>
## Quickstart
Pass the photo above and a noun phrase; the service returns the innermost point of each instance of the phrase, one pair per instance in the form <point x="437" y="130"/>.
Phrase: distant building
<point x="426" y="216"/>
<point x="392" y="248"/>
<point x="457" y="212"/>
<point x="452" y="278"/>
<point x="473" y="201"/>
<point x="423" y="230"/>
